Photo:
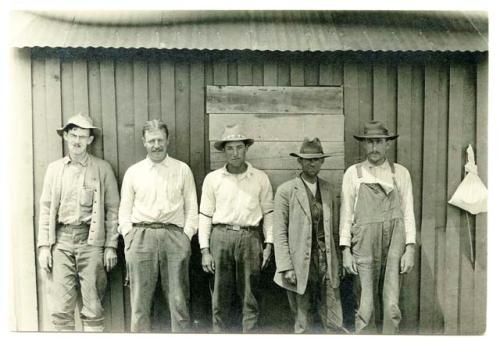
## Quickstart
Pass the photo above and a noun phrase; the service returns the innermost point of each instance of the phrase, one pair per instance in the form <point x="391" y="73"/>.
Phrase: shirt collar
<point x="369" y="165"/>
<point x="151" y="164"/>
<point x="84" y="162"/>
<point x="248" y="172"/>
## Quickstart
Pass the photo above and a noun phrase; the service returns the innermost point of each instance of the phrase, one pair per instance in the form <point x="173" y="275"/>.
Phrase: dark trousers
<point x="238" y="258"/>
<point x="320" y="299"/>
<point x="152" y="254"/>
<point x="77" y="265"/>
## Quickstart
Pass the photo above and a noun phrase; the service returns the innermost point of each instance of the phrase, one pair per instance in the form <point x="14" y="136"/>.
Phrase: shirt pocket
<point x="86" y="197"/>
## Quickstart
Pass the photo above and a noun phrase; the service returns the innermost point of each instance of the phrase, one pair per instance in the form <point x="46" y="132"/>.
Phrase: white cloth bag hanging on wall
<point x="471" y="195"/>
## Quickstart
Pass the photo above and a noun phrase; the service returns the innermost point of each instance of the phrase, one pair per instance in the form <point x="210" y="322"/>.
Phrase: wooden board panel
<point x="365" y="94"/>
<point x="466" y="292"/>
<point x="167" y="80"/>
<point x="311" y="73"/>
<point x="326" y="73"/>
<point x="40" y="165"/>
<point x="275" y="155"/>
<point x="277" y="177"/>
<point x="291" y="127"/>
<point x="296" y="73"/>
<point x="68" y="95"/>
<point x="197" y="130"/>
<point x="140" y="104"/>
<point x="380" y="91"/>
<point x="108" y="102"/>
<point x="428" y="242"/>
<point x="244" y="73"/>
<point x="95" y="109"/>
<point x="410" y="301"/>
<point x="283" y="73"/>
<point x="404" y="113"/>
<point x="80" y="86"/>
<point x="271" y="74"/>
<point x="220" y="73"/>
<point x="23" y="267"/>
<point x="441" y="198"/>
<point x="257" y="74"/>
<point x="154" y="90"/>
<point x="481" y="219"/>
<point x="182" y="123"/>
<point x="351" y="111"/>
<point x="232" y="73"/>
<point x="266" y="99"/>
<point x="125" y="115"/>
<point x="455" y="167"/>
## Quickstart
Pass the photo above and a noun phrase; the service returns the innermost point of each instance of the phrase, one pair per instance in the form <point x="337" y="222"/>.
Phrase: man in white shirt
<point x="158" y="216"/>
<point x="377" y="231"/>
<point x="234" y="201"/>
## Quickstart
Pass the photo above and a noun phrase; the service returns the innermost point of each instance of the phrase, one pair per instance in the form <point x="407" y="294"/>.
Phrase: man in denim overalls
<point x="377" y="231"/>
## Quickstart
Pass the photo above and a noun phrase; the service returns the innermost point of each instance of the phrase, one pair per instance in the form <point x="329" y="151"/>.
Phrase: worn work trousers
<point x="378" y="243"/>
<point x="238" y="258"/>
<point x="320" y="298"/>
<point x="152" y="254"/>
<point x="77" y="266"/>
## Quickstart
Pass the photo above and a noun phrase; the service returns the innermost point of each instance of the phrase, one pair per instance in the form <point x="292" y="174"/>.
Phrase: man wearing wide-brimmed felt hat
<point x="235" y="208"/>
<point x="307" y="264"/>
<point x="377" y="230"/>
<point x="77" y="231"/>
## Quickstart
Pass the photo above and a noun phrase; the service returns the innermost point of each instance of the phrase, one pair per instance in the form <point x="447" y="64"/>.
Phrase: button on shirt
<point x="376" y="174"/>
<point x="236" y="199"/>
<point x="159" y="192"/>
<point x="76" y="198"/>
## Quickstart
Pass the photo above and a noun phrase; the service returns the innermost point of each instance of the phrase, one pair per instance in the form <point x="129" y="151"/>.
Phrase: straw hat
<point x="232" y="133"/>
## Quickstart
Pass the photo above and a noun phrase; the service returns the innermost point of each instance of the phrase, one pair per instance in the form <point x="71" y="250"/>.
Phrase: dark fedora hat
<point x="232" y="133"/>
<point x="311" y="148"/>
<point x="375" y="130"/>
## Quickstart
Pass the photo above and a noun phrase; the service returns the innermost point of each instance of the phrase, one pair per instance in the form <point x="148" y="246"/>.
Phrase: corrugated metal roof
<point x="255" y="30"/>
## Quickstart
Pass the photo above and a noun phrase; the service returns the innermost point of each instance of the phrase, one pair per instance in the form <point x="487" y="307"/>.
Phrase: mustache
<point x="160" y="149"/>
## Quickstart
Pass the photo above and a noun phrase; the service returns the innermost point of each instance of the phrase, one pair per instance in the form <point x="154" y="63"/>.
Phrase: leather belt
<point x="154" y="225"/>
<point x="237" y="227"/>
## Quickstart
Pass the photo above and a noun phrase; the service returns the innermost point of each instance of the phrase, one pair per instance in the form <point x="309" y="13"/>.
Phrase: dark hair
<point x="154" y="124"/>
<point x="70" y="126"/>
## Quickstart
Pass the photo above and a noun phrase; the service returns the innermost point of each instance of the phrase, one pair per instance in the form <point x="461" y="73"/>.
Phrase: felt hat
<point x="311" y="148"/>
<point x="232" y="133"/>
<point x="81" y="121"/>
<point x="375" y="130"/>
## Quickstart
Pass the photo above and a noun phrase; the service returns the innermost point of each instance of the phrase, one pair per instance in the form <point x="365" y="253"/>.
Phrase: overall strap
<point x="358" y="170"/>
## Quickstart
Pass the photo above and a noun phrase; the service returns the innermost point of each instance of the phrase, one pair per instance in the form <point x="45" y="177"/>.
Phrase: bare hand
<point x="348" y="262"/>
<point x="266" y="256"/>
<point x="207" y="261"/>
<point x="290" y="277"/>
<point x="110" y="258"/>
<point x="45" y="258"/>
<point x="408" y="260"/>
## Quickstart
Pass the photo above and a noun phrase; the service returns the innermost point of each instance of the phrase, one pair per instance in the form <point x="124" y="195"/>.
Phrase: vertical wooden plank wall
<point x="424" y="102"/>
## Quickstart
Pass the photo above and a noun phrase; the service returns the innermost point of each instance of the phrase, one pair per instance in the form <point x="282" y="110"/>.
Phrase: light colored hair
<point x="154" y="124"/>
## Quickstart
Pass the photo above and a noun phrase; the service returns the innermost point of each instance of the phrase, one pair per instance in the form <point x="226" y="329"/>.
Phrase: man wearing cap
<point x="158" y="216"/>
<point x="77" y="232"/>
<point x="234" y="201"/>
<point x="377" y="231"/>
<point x="305" y="250"/>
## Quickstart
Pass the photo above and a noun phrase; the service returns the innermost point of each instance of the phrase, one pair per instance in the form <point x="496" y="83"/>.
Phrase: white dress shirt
<point x="376" y="174"/>
<point x="235" y="199"/>
<point x="159" y="192"/>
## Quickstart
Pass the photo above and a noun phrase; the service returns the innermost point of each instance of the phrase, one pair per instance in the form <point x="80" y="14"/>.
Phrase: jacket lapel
<point x="302" y="197"/>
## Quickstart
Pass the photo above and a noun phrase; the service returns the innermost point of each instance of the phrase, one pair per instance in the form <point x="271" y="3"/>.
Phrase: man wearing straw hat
<point x="377" y="231"/>
<point x="305" y="250"/>
<point x="77" y="233"/>
<point x="234" y="201"/>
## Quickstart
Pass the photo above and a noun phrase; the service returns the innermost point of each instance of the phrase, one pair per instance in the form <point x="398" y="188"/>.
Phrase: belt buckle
<point x="235" y="227"/>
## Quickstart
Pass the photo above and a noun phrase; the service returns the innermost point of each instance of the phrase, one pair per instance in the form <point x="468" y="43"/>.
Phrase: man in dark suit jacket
<point x="306" y="253"/>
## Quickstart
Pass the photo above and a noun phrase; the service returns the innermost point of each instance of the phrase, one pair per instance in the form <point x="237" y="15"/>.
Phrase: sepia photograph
<point x="255" y="171"/>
